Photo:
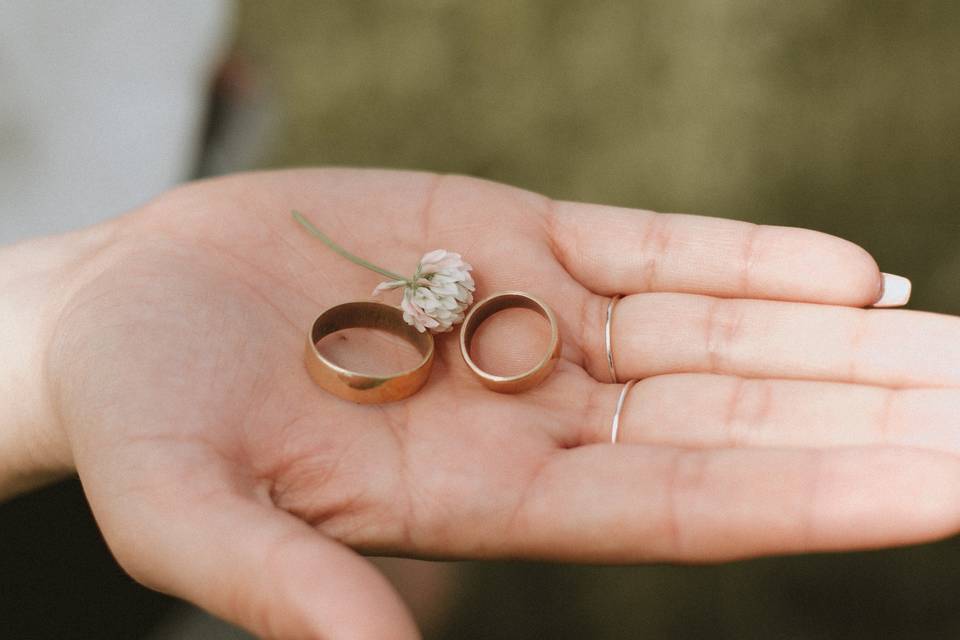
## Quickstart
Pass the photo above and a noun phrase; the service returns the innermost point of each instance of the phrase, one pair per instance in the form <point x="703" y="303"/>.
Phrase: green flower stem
<point x="346" y="254"/>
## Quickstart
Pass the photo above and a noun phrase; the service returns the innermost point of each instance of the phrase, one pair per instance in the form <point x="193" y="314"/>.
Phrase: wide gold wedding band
<point x="498" y="302"/>
<point x="363" y="387"/>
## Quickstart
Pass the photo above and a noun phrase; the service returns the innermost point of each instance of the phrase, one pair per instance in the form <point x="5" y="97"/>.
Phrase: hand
<point x="220" y="473"/>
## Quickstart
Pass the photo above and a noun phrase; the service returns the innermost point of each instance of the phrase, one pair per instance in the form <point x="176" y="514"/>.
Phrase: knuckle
<point x="751" y="257"/>
<point x="655" y="243"/>
<point x="721" y="333"/>
<point x="685" y="483"/>
<point x="748" y="412"/>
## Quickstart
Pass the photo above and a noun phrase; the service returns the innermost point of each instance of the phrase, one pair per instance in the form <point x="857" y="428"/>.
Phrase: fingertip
<point x="929" y="482"/>
<point x="826" y="269"/>
<point x="363" y="607"/>
<point x="852" y="276"/>
<point x="919" y="490"/>
<point x="866" y="279"/>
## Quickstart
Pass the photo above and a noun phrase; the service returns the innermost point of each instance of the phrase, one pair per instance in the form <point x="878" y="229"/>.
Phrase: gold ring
<point x="362" y="387"/>
<point x="491" y="305"/>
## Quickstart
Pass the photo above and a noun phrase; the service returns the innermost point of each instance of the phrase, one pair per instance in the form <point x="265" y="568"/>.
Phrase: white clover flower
<point x="437" y="295"/>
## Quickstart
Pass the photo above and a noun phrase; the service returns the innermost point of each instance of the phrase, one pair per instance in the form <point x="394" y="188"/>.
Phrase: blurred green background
<point x="839" y="115"/>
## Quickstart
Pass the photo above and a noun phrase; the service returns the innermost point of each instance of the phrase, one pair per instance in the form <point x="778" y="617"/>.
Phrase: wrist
<point x="37" y="279"/>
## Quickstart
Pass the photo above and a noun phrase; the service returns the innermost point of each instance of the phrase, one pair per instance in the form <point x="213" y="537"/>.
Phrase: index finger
<point x="612" y="250"/>
<point x="618" y="503"/>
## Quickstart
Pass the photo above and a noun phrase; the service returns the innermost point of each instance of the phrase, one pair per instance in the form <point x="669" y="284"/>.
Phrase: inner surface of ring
<point x="495" y="305"/>
<point x="369" y="315"/>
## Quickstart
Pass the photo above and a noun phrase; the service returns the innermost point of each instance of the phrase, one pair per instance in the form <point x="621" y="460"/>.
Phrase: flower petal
<point x="432" y="257"/>
<point x="388" y="285"/>
<point x="439" y="297"/>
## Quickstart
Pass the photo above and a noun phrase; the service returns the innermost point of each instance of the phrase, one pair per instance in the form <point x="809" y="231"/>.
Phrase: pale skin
<point x="159" y="356"/>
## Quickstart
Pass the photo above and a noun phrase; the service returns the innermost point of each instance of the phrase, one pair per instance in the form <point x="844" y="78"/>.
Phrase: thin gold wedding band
<point x="363" y="387"/>
<point x="607" y="338"/>
<point x="498" y="302"/>
<point x="615" y="423"/>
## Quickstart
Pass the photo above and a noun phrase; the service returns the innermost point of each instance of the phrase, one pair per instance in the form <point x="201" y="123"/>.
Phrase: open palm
<point x="767" y="420"/>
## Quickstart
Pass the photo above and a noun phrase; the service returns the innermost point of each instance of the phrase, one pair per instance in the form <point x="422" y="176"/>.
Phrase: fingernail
<point x="895" y="291"/>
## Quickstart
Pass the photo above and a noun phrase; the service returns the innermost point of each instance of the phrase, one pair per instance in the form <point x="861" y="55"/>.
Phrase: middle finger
<point x="715" y="411"/>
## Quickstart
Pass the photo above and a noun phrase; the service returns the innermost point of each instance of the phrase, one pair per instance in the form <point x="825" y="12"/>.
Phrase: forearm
<point x="37" y="279"/>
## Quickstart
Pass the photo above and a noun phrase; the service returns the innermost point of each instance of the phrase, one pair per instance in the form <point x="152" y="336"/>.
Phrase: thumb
<point x="255" y="565"/>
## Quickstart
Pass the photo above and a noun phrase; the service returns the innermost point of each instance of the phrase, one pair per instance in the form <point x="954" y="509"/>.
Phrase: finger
<point x="661" y="333"/>
<point x="220" y="546"/>
<point x="612" y="250"/>
<point x="630" y="503"/>
<point x="704" y="410"/>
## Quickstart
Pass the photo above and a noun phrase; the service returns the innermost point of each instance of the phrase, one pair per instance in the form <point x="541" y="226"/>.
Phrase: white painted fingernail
<point x="895" y="293"/>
